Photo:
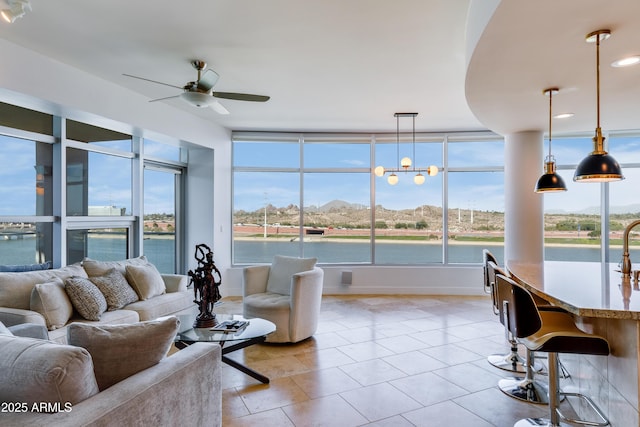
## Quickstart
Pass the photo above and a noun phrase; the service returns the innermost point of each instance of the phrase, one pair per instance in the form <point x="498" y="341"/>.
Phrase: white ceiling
<point x="336" y="65"/>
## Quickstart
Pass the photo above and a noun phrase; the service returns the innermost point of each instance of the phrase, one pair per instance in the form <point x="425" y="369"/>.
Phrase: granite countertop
<point x="587" y="289"/>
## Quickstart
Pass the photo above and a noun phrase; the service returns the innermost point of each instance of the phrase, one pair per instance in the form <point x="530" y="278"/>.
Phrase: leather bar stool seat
<point x="512" y="361"/>
<point x="527" y="387"/>
<point x="550" y="332"/>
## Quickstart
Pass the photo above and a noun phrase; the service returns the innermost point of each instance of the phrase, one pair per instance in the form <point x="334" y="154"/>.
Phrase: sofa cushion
<point x="52" y="302"/>
<point x="85" y="297"/>
<point x="15" y="288"/>
<point x="282" y="270"/>
<point x="119" y="351"/>
<point x="115" y="288"/>
<point x="35" y="371"/>
<point x="117" y="317"/>
<point x="99" y="268"/>
<point x="146" y="280"/>
<point x="162" y="305"/>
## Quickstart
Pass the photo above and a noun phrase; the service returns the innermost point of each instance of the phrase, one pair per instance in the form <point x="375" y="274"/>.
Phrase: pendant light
<point x="405" y="163"/>
<point x="598" y="166"/>
<point x="550" y="180"/>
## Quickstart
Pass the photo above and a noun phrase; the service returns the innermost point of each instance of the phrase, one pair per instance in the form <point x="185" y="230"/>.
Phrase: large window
<point x="315" y="195"/>
<point x="408" y="217"/>
<point x="162" y="189"/>
<point x="26" y="212"/>
<point x="97" y="206"/>
<point x="574" y="219"/>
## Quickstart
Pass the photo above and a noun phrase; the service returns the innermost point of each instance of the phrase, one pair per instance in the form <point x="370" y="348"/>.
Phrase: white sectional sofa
<point x="42" y="297"/>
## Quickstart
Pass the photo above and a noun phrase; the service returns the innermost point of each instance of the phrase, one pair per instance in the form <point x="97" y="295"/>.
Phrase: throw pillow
<point x="146" y="280"/>
<point x="36" y="371"/>
<point x="115" y="288"/>
<point x="51" y="301"/>
<point x="119" y="351"/>
<point x="99" y="268"/>
<point x="85" y="297"/>
<point x="283" y="268"/>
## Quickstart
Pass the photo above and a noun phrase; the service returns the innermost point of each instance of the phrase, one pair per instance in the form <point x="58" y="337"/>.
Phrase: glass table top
<point x="187" y="333"/>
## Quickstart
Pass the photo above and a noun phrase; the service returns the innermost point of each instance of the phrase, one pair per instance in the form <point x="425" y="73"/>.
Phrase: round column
<point x="524" y="208"/>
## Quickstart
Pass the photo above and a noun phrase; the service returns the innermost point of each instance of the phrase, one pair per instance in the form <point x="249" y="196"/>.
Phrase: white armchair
<point x="288" y="293"/>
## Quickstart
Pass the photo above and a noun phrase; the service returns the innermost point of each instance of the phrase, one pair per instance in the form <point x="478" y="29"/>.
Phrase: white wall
<point x="416" y="280"/>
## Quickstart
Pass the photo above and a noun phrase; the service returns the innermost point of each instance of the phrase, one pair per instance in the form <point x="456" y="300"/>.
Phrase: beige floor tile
<point x="272" y="418"/>
<point x="470" y="377"/>
<point x="365" y="351"/>
<point x="325" y="358"/>
<point x="380" y="401"/>
<point x="280" y="392"/>
<point x="452" y="354"/>
<point x="414" y="362"/>
<point x="325" y="382"/>
<point x="434" y="416"/>
<point x="330" y="411"/>
<point x="428" y="388"/>
<point x="372" y="371"/>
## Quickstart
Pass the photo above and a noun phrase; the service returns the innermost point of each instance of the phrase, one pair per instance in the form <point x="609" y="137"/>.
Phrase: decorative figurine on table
<point x="206" y="280"/>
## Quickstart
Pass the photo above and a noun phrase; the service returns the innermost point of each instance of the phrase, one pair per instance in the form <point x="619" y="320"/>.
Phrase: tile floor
<point x="379" y="361"/>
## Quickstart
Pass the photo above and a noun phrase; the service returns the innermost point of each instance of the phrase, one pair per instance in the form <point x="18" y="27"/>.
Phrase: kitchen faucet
<point x="626" y="261"/>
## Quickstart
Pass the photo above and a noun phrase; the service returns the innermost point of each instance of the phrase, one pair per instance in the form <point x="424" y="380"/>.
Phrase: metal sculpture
<point x="206" y="280"/>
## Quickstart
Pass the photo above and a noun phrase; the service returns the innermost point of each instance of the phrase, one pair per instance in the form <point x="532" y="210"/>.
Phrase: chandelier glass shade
<point x="598" y="166"/>
<point x="406" y="164"/>
<point x="550" y="181"/>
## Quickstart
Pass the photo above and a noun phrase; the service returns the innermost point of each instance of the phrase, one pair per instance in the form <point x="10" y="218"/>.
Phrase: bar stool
<point x="551" y="332"/>
<point x="525" y="388"/>
<point x="512" y="361"/>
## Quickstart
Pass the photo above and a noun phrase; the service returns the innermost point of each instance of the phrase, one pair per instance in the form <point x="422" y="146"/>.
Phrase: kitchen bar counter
<point x="601" y="303"/>
<point x="587" y="289"/>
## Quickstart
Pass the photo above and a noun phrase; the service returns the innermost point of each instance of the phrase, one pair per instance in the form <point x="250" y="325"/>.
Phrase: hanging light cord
<point x="398" y="140"/>
<point x="550" y="115"/>
<point x="598" y="79"/>
<point x="414" y="143"/>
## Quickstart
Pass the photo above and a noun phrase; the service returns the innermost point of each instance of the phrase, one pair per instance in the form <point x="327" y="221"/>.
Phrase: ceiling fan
<point x="199" y="93"/>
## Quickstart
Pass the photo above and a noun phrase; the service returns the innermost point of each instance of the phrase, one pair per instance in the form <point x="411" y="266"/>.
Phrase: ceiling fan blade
<point x="241" y="96"/>
<point x="162" y="99"/>
<point x="207" y="80"/>
<point x="219" y="108"/>
<point x="152" y="81"/>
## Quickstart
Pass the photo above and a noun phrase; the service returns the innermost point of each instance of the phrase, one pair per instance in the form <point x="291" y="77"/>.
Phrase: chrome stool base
<point x="538" y="422"/>
<point x="524" y="389"/>
<point x="512" y="363"/>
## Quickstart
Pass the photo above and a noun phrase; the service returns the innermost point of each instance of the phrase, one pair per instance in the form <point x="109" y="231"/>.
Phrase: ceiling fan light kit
<point x="405" y="163"/>
<point x="17" y="9"/>
<point x="199" y="93"/>
<point x="197" y="99"/>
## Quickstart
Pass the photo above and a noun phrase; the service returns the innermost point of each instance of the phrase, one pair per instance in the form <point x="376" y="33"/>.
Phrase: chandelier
<point x="405" y="165"/>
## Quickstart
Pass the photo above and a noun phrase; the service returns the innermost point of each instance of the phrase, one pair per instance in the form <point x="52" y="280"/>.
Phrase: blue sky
<point x="109" y="180"/>
<point x="110" y="176"/>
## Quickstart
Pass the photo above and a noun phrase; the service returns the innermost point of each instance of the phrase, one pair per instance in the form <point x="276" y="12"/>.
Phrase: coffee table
<point x="256" y="332"/>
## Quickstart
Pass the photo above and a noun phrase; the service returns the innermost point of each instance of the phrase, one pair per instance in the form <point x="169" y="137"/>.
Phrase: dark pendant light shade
<point x="598" y="166"/>
<point x="550" y="181"/>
